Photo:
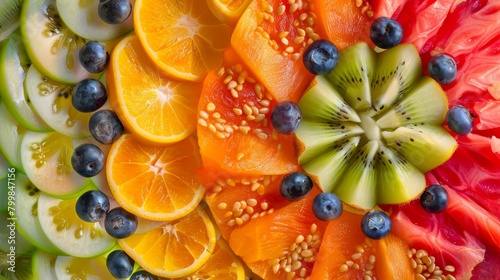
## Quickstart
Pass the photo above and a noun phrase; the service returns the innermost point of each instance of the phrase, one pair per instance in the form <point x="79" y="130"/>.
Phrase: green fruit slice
<point x="13" y="67"/>
<point x="12" y="134"/>
<point x="43" y="265"/>
<point x="359" y="136"/>
<point x="27" y="215"/>
<point x="52" y="47"/>
<point x="69" y="268"/>
<point x="52" y="101"/>
<point x="11" y="241"/>
<point x="82" y="18"/>
<point x="4" y="182"/>
<point x="68" y="232"/>
<point x="46" y="158"/>
<point x="22" y="269"/>
<point x="10" y="11"/>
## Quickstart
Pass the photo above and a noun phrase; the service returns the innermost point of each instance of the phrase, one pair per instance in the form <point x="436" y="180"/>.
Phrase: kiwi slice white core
<point x="373" y="126"/>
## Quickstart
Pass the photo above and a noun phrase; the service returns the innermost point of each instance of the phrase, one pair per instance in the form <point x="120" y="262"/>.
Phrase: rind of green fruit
<point x="22" y="269"/>
<point x="68" y="232"/>
<point x="52" y="102"/>
<point x="10" y="238"/>
<point x="12" y="134"/>
<point x="52" y="47"/>
<point x="43" y="265"/>
<point x="359" y="135"/>
<point x="10" y="11"/>
<point x="13" y="67"/>
<point x="46" y="158"/>
<point x="27" y="215"/>
<point x="4" y="171"/>
<point x="82" y="18"/>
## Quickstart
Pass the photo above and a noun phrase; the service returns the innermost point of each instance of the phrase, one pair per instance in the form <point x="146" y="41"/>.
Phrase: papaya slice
<point x="234" y="128"/>
<point x="283" y="244"/>
<point x="279" y="32"/>
<point x="347" y="254"/>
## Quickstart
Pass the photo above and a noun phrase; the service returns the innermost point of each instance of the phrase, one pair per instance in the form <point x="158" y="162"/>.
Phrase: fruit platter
<point x="250" y="139"/>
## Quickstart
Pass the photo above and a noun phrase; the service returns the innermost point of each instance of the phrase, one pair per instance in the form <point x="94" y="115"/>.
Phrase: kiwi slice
<point x="52" y="47"/>
<point x="373" y="126"/>
<point x="22" y="269"/>
<point x="10" y="11"/>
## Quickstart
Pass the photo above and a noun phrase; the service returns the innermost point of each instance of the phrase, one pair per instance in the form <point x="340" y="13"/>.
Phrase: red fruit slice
<point x="448" y="248"/>
<point x="283" y="244"/>
<point x="270" y="37"/>
<point x="490" y="266"/>
<point x="346" y="254"/>
<point x="234" y="128"/>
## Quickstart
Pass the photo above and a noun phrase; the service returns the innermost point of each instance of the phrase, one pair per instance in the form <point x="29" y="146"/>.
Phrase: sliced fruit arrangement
<point x="238" y="139"/>
<point x="378" y="130"/>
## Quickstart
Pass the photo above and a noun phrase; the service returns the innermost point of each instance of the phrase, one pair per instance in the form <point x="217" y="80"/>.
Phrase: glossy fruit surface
<point x="327" y="206"/>
<point x="320" y="57"/>
<point x="114" y="11"/>
<point x="93" y="57"/>
<point x="459" y="120"/>
<point x="286" y="117"/>
<point x="119" y="223"/>
<point x="442" y="68"/>
<point x="376" y="224"/>
<point x="434" y="199"/>
<point x="386" y="33"/>
<point x="119" y="264"/>
<point x="87" y="160"/>
<point x="295" y="185"/>
<point x="105" y="126"/>
<point x="91" y="206"/>
<point x="89" y="95"/>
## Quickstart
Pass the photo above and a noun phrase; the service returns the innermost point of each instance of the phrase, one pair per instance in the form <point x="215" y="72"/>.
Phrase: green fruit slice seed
<point x="367" y="127"/>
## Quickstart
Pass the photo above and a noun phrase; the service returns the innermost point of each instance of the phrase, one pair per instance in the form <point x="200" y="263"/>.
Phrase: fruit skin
<point x="386" y="33"/>
<point x="105" y="126"/>
<point x="119" y="223"/>
<point x="460" y="120"/>
<point x="90" y="94"/>
<point x="92" y="206"/>
<point x="376" y="224"/>
<point x="93" y="57"/>
<point x="434" y="199"/>
<point x="327" y="206"/>
<point x="321" y="57"/>
<point x="87" y="160"/>
<point x="114" y="11"/>
<point x="119" y="264"/>
<point x="286" y="117"/>
<point x="143" y="275"/>
<point x="295" y="185"/>
<point x="442" y="68"/>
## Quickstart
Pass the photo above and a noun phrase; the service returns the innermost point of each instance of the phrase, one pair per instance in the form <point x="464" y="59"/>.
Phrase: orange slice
<point x="222" y="265"/>
<point x="182" y="37"/>
<point x="175" y="249"/>
<point x="155" y="182"/>
<point x="229" y="11"/>
<point x="149" y="103"/>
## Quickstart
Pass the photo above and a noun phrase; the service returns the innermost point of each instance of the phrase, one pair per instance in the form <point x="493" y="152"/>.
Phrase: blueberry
<point x="386" y="33"/>
<point x="92" y="206"/>
<point x="90" y="94"/>
<point x="87" y="160"/>
<point x="119" y="264"/>
<point x="321" y="57"/>
<point x="376" y="224"/>
<point x="459" y="120"/>
<point x="105" y="126"/>
<point x="93" y="57"/>
<point x="286" y="117"/>
<point x="143" y="275"/>
<point x="434" y="199"/>
<point x="327" y="206"/>
<point x="442" y="68"/>
<point x="119" y="223"/>
<point x="114" y="11"/>
<point x="295" y="185"/>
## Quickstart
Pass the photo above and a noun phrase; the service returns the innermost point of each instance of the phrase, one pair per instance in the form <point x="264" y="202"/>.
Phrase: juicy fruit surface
<point x="241" y="175"/>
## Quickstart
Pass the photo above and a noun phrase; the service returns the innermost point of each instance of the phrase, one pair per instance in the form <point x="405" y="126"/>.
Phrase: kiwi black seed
<point x="377" y="129"/>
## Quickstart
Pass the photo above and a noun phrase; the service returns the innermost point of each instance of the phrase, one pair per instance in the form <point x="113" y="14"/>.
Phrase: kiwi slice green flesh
<point x="373" y="153"/>
<point x="10" y="11"/>
<point x="23" y="267"/>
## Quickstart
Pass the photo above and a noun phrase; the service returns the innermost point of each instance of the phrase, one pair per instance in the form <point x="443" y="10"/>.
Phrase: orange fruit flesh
<point x="175" y="249"/>
<point x="155" y="182"/>
<point x="277" y="65"/>
<point x="183" y="37"/>
<point x="151" y="105"/>
<point x="343" y="22"/>
<point x="234" y="113"/>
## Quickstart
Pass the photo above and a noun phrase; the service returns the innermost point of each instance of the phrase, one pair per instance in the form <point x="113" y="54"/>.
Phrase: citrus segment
<point x="155" y="182"/>
<point x="182" y="37"/>
<point x="228" y="11"/>
<point x="149" y="104"/>
<point x="175" y="249"/>
<point x="223" y="264"/>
